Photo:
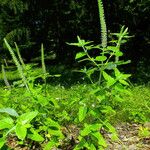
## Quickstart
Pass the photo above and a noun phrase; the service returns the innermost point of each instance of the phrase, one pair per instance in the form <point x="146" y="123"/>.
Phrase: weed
<point x="89" y="108"/>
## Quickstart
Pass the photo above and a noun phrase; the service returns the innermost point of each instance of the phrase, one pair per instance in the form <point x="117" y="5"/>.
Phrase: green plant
<point x="20" y="125"/>
<point x="34" y="97"/>
<point x="90" y="113"/>
<point x="19" y="67"/>
<point x="144" y="132"/>
<point x="135" y="107"/>
<point x="93" y="115"/>
<point x="26" y="72"/>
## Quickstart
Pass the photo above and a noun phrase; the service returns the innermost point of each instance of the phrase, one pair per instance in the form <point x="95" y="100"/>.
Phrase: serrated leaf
<point x="80" y="55"/>
<point x="9" y="111"/>
<point x="109" y="79"/>
<point x="6" y="123"/>
<point x="82" y="113"/>
<point x="21" y="131"/>
<point x="27" y="117"/>
<point x="100" y="58"/>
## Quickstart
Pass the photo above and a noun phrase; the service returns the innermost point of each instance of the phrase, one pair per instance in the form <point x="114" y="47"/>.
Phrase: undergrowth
<point x="57" y="117"/>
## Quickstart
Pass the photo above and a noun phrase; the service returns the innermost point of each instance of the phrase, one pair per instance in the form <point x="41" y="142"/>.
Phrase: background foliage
<point x="32" y="22"/>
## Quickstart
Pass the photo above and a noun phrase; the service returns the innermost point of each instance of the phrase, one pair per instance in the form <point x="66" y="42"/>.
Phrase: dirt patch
<point x="128" y="134"/>
<point x="128" y="138"/>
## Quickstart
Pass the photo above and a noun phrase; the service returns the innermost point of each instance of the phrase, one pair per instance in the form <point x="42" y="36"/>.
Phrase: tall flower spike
<point x="102" y="24"/>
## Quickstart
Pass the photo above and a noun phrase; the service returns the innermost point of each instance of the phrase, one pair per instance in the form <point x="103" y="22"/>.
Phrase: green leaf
<point x="101" y="140"/>
<point x="36" y="137"/>
<point x="57" y="133"/>
<point x="111" y="66"/>
<point x="52" y="123"/>
<point x="21" y="131"/>
<point x="9" y="111"/>
<point x="100" y="58"/>
<point x="2" y="142"/>
<point x="117" y="98"/>
<point x="80" y="54"/>
<point x="126" y="76"/>
<point x="81" y="42"/>
<point x="27" y="117"/>
<point x="95" y="127"/>
<point x="110" y="127"/>
<point x="6" y="123"/>
<point x="91" y="47"/>
<point x="82" y="113"/>
<point x="42" y="100"/>
<point x="117" y="72"/>
<point x="89" y="72"/>
<point x="123" y="62"/>
<point x="119" y="53"/>
<point x="81" y="144"/>
<point x="108" y="110"/>
<point x="90" y="128"/>
<point x="113" y="48"/>
<point x="85" y="131"/>
<point x="74" y="44"/>
<point x="92" y="147"/>
<point x="51" y="144"/>
<point x="109" y="79"/>
<point x="124" y="82"/>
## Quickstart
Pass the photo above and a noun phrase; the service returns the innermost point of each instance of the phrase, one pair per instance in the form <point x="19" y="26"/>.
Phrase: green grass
<point x="65" y="97"/>
<point x="134" y="108"/>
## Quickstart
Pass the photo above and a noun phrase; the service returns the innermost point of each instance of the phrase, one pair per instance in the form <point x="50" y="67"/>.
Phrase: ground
<point x="128" y="139"/>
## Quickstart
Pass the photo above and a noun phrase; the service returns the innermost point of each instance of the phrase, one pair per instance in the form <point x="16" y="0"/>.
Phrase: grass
<point x="64" y="98"/>
<point x="136" y="107"/>
<point x="133" y="108"/>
